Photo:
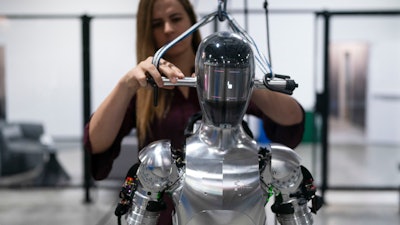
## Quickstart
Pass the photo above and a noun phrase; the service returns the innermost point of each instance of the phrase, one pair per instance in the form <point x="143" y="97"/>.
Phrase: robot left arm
<point x="292" y="184"/>
<point x="145" y="184"/>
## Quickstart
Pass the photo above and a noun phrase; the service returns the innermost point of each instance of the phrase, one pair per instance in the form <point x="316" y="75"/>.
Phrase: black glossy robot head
<point x="225" y="72"/>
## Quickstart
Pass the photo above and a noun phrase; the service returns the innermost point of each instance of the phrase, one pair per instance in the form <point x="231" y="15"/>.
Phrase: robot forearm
<point x="292" y="184"/>
<point x="145" y="209"/>
<point x="292" y="208"/>
<point x="145" y="184"/>
<point x="143" y="206"/>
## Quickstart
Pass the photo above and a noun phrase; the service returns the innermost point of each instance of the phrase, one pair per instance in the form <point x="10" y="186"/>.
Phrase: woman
<point x="130" y="103"/>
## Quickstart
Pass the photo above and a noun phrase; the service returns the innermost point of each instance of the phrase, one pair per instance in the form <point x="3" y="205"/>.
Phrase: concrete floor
<point x="65" y="206"/>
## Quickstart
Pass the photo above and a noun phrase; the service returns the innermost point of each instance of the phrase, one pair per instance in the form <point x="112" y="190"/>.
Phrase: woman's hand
<point x="137" y="77"/>
<point x="106" y="122"/>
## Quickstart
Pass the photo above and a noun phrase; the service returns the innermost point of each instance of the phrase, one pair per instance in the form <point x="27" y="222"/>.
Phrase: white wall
<point x="42" y="73"/>
<point x="129" y="6"/>
<point x="43" y="56"/>
<point x="383" y="81"/>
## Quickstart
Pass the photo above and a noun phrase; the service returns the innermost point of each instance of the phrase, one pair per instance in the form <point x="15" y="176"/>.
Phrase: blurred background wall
<point x="42" y="55"/>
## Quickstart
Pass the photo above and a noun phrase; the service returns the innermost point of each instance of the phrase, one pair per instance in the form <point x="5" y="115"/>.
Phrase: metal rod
<point x="86" y="99"/>
<point x="187" y="81"/>
<point x="360" y="13"/>
<point x="325" y="108"/>
<point x="162" y="50"/>
<point x="246" y="15"/>
<point x="364" y="188"/>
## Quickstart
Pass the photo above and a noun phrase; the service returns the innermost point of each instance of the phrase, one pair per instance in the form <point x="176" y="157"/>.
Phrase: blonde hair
<point x="145" y="47"/>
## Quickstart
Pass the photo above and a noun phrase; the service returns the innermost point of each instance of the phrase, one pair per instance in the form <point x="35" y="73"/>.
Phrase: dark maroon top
<point x="172" y="127"/>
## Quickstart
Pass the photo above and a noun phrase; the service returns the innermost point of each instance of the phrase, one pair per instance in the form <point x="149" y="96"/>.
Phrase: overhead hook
<point x="221" y="9"/>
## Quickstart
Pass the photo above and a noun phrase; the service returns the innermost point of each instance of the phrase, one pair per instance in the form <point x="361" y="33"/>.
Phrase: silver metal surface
<point x="222" y="180"/>
<point x="276" y="83"/>
<point x="154" y="175"/>
<point x="225" y="70"/>
<point x="285" y="168"/>
<point x="155" y="166"/>
<point x="301" y="216"/>
<point x="138" y="214"/>
<point x="187" y="82"/>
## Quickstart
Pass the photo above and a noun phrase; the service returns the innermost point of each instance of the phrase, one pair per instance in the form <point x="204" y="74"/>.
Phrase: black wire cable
<point x="267" y="29"/>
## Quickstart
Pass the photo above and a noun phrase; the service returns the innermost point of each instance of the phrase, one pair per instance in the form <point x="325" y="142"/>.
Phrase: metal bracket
<point x="221" y="9"/>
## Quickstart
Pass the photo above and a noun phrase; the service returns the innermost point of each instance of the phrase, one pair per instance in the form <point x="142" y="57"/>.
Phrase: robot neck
<point x="223" y="137"/>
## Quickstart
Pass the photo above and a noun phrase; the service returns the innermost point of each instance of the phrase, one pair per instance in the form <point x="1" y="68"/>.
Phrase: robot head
<point x="225" y="72"/>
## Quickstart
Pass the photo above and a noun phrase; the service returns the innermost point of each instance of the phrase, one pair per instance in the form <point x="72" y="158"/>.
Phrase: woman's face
<point x="169" y="21"/>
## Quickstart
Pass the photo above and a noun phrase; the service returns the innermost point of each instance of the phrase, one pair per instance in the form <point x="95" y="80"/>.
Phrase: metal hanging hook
<point x="221" y="9"/>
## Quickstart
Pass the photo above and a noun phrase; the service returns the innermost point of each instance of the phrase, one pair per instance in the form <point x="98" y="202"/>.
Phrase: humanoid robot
<point x="222" y="176"/>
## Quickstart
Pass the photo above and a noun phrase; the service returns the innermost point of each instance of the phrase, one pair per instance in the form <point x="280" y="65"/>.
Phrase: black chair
<point x="24" y="159"/>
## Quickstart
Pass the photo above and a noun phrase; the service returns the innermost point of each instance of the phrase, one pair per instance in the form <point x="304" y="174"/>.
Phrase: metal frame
<point x="323" y="100"/>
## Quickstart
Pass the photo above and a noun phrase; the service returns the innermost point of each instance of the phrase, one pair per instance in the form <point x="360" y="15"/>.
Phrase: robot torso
<point x="222" y="180"/>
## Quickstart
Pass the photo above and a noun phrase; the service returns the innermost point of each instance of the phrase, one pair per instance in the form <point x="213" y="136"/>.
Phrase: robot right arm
<point x="292" y="184"/>
<point x="145" y="184"/>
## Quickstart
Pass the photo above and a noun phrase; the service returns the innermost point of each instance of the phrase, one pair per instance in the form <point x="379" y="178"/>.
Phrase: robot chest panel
<point x="223" y="179"/>
<point x="226" y="189"/>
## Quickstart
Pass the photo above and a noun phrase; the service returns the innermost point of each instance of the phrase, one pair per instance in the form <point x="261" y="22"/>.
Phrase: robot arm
<point x="292" y="184"/>
<point x="142" y="191"/>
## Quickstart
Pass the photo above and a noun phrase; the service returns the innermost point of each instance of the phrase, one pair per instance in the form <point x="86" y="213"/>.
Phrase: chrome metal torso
<point x="222" y="179"/>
